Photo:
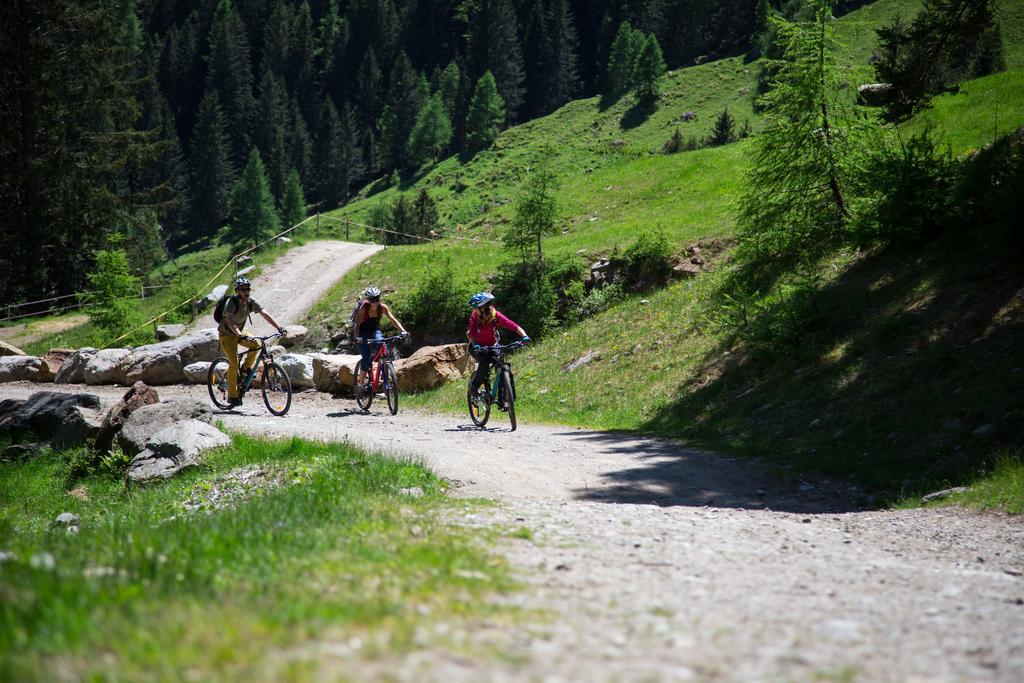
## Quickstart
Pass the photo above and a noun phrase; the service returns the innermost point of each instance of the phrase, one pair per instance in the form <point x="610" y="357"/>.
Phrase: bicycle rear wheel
<point x="391" y="387"/>
<point x="479" y="404"/>
<point x="510" y="398"/>
<point x="217" y="383"/>
<point x="276" y="388"/>
<point x="364" y="390"/>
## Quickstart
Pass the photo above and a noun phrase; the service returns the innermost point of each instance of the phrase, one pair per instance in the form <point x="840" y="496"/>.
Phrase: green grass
<point x="1000" y="489"/>
<point x="150" y="591"/>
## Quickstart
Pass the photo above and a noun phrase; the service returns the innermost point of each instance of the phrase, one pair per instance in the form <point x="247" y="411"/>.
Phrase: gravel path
<point x="652" y="562"/>
<point x="298" y="279"/>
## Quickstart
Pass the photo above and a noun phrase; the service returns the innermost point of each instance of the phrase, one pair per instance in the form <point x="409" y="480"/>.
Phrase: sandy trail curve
<point x="290" y="286"/>
<point x="652" y="562"/>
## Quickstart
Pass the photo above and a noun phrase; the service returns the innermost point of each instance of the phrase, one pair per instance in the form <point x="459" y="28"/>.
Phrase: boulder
<point x="72" y="371"/>
<point x="212" y="298"/>
<point x="8" y="407"/>
<point x="19" y="452"/>
<point x="283" y="240"/>
<point x="10" y="350"/>
<point x="150" y="419"/>
<point x="196" y="373"/>
<point x="53" y="361"/>
<point x="243" y="261"/>
<point x="174" y="448"/>
<point x="44" y="414"/>
<point x="332" y="373"/>
<point x="686" y="269"/>
<point x="245" y="271"/>
<point x="102" y="367"/>
<point x="153" y="364"/>
<point x="874" y="94"/>
<point x="299" y="369"/>
<point x="296" y="335"/>
<point x="139" y="395"/>
<point x="433" y="366"/>
<point x="78" y="426"/>
<point x="172" y="331"/>
<point x="201" y="345"/>
<point x="20" y="368"/>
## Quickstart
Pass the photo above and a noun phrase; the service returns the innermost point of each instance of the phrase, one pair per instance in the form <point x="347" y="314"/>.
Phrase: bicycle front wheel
<point x="391" y="387"/>
<point x="217" y="383"/>
<point x="510" y="398"/>
<point x="276" y="388"/>
<point x="479" y="405"/>
<point x="364" y="390"/>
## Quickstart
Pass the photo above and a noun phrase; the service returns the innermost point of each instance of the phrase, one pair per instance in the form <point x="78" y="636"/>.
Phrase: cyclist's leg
<point x="229" y="345"/>
<point x="250" y="358"/>
<point x="483" y="366"/>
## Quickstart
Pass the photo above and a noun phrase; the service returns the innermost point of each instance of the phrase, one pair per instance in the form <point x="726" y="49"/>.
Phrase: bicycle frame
<point x="263" y="354"/>
<point x="382" y="355"/>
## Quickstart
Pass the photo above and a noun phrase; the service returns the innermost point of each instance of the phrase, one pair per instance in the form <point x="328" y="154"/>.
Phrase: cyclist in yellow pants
<point x="237" y="310"/>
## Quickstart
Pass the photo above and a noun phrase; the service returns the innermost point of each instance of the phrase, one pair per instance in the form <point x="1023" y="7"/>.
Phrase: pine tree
<point x="253" y="216"/>
<point x="449" y="85"/>
<point x="563" y="83"/>
<point x="725" y="129"/>
<point x="212" y="174"/>
<point x="370" y="83"/>
<point x="424" y="213"/>
<point x="329" y="164"/>
<point x="113" y="289"/>
<point x="302" y="73"/>
<point x="299" y="144"/>
<point x="494" y="46"/>
<point x="431" y="133"/>
<point x="486" y="114"/>
<point x="293" y="202"/>
<point x="277" y="41"/>
<point x="406" y="93"/>
<point x="623" y="58"/>
<point x="271" y="125"/>
<point x="229" y="74"/>
<point x="351" y="156"/>
<point x="535" y="213"/>
<point x="794" y="203"/>
<point x="650" y="67"/>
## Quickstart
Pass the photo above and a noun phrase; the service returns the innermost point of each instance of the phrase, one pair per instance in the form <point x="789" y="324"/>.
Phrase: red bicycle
<point x="381" y="376"/>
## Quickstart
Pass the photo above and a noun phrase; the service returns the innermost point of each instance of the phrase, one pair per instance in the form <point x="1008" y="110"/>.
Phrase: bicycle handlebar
<point x="504" y="347"/>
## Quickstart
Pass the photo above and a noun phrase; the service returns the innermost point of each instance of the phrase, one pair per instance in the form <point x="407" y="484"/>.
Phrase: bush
<point x="647" y="263"/>
<point x="438" y="304"/>
<point x="529" y="292"/>
<point x="597" y="300"/>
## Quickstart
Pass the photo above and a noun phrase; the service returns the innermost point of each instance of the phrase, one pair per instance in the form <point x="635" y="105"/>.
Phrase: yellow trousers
<point x="229" y="343"/>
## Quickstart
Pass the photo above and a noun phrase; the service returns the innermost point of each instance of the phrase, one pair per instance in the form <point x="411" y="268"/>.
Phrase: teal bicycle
<point x="500" y="391"/>
<point x="274" y="382"/>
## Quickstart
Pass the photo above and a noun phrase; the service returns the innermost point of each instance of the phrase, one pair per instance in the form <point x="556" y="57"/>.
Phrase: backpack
<point x="218" y="311"/>
<point x="352" y="320"/>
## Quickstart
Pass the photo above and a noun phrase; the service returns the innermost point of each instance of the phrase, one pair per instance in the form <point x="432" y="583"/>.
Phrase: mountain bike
<point x="381" y="376"/>
<point x="501" y="390"/>
<point x="274" y="382"/>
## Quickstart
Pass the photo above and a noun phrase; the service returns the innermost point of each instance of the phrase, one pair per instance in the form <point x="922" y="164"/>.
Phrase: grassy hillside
<point x="904" y="357"/>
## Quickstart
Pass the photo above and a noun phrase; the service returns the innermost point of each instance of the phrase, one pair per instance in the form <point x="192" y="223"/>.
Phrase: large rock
<point x="169" y="331"/>
<point x="212" y="298"/>
<point x="53" y="360"/>
<point x="296" y="336"/>
<point x="164" y="362"/>
<point x="153" y="364"/>
<point x="20" y="368"/>
<point x="72" y="371"/>
<point x="103" y="367"/>
<point x="333" y="373"/>
<point x="174" y="448"/>
<point x="8" y="407"/>
<point x="45" y="413"/>
<point x="10" y="350"/>
<point x="150" y="419"/>
<point x="299" y="369"/>
<point x="433" y="366"/>
<point x="874" y="94"/>
<point x="79" y="426"/>
<point x="196" y="373"/>
<point x="139" y="395"/>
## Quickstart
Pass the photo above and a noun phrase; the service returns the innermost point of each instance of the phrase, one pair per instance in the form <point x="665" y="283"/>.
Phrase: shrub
<point x="597" y="300"/>
<point x="438" y="304"/>
<point x="529" y="292"/>
<point x="647" y="263"/>
<point x="674" y="144"/>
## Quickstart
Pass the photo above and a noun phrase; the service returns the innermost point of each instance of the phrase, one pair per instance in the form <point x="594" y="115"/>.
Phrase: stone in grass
<point x="173" y="449"/>
<point x="412" y="492"/>
<point x="65" y="520"/>
<point x="148" y="420"/>
<point x="984" y="431"/>
<point x="944" y="493"/>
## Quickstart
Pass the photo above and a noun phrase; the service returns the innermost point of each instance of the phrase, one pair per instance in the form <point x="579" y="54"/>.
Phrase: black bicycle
<point x="501" y="390"/>
<point x="381" y="376"/>
<point x="274" y="382"/>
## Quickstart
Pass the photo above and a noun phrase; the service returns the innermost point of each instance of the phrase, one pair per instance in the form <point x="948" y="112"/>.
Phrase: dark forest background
<point x="136" y="117"/>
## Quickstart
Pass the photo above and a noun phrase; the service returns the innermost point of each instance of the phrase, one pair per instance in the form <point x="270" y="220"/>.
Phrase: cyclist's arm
<point x="392" y="318"/>
<point x="266" y="316"/>
<point x="503" y="320"/>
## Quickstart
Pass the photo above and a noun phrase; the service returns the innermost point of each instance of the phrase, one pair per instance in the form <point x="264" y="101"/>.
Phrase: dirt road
<point x="298" y="279"/>
<point x="651" y="562"/>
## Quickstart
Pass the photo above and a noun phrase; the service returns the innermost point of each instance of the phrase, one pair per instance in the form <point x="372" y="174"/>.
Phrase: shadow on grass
<point x="903" y="374"/>
<point x="638" y="113"/>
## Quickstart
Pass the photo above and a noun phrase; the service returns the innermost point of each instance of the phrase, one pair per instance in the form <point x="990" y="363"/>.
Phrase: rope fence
<point x="82" y="299"/>
<point x="435" y="236"/>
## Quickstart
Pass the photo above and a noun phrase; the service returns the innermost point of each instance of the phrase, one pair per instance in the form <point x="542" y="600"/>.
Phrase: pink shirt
<point x="486" y="334"/>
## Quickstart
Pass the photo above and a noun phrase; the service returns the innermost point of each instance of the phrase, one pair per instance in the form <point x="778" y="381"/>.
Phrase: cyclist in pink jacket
<point x="483" y="331"/>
